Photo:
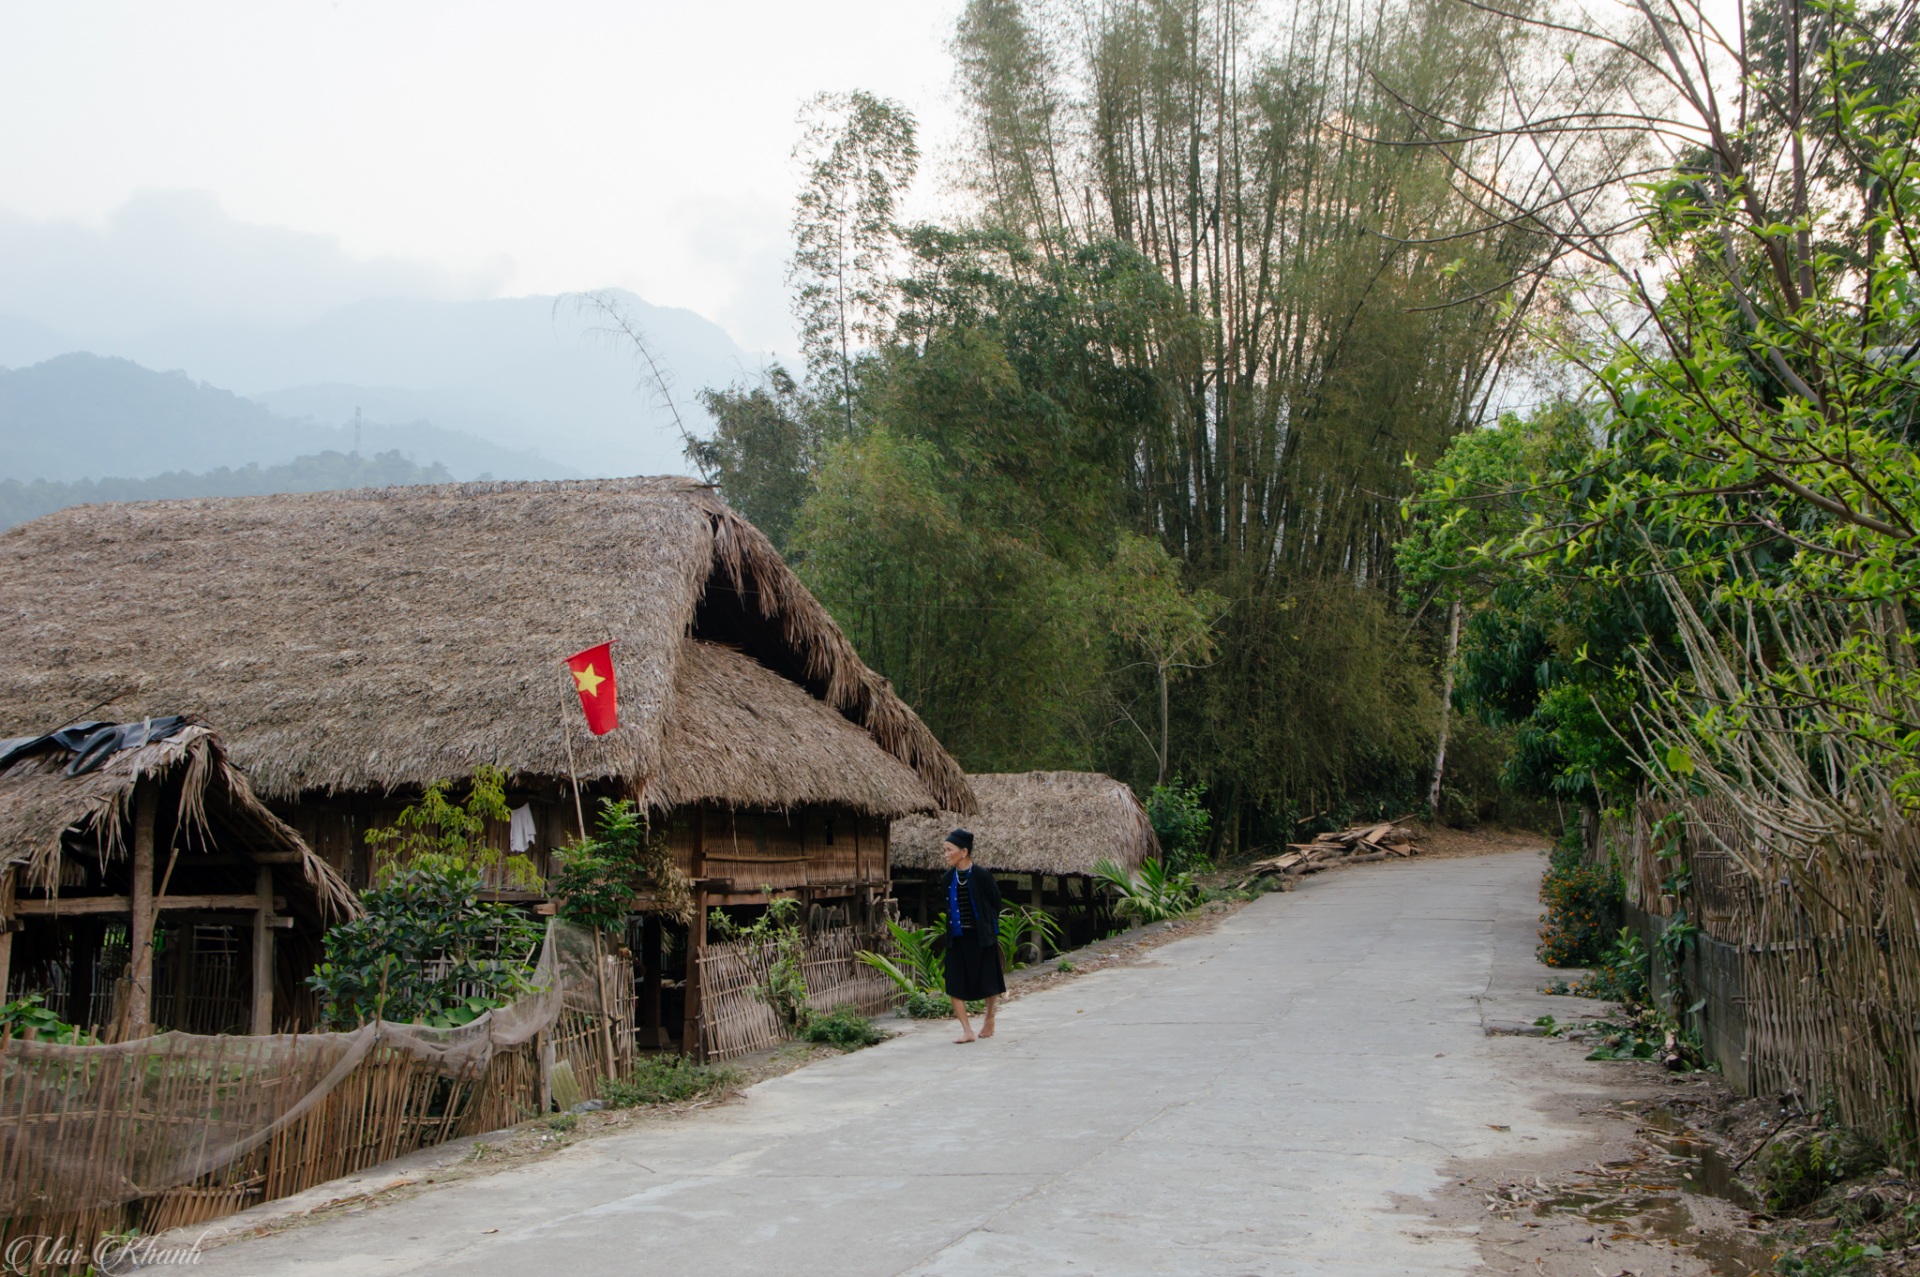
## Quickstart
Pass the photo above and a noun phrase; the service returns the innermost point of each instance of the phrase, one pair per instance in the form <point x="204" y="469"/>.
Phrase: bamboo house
<point x="353" y="647"/>
<point x="1041" y="833"/>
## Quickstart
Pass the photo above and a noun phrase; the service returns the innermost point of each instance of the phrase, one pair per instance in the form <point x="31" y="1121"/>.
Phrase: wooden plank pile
<point x="1355" y="846"/>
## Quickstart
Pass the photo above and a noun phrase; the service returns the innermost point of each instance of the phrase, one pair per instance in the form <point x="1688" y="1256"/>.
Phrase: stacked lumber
<point x="1357" y="845"/>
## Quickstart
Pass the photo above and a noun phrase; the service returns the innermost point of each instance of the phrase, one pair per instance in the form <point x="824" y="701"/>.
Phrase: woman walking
<point x="973" y="934"/>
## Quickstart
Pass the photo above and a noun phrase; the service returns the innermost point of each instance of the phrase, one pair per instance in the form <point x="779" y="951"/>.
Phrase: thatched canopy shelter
<point x="382" y="639"/>
<point x="74" y="843"/>
<point x="1037" y="823"/>
<point x="46" y="813"/>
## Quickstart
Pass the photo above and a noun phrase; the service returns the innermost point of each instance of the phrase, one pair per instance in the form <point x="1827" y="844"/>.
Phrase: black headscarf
<point x="961" y="839"/>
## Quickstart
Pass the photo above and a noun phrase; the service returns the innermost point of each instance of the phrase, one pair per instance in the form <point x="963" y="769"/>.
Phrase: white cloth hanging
<point x="520" y="829"/>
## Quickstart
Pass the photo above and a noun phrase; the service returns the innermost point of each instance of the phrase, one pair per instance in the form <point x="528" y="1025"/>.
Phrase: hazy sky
<point x="427" y="148"/>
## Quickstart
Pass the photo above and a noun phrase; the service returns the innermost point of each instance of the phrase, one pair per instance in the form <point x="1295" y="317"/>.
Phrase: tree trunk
<point x="1446" y="710"/>
<point x="1165" y="730"/>
<point x="140" y="932"/>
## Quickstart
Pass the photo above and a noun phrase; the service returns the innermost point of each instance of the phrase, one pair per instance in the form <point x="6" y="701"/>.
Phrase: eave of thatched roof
<point x="1037" y="822"/>
<point x="39" y="803"/>
<point x="738" y="733"/>
<point x="386" y="638"/>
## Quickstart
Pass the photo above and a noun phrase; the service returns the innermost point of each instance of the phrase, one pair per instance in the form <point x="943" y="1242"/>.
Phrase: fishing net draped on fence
<point x="88" y="1127"/>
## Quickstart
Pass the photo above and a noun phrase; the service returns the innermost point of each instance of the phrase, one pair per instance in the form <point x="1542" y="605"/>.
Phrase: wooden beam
<point x="263" y="953"/>
<point x="140" y="938"/>
<point x="7" y="875"/>
<point x="74" y="906"/>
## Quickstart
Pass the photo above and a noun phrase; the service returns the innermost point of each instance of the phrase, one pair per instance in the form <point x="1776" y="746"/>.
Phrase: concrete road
<point x="1252" y="1100"/>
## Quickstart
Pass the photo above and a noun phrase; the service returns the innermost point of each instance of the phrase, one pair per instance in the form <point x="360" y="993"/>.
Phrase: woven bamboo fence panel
<point x="392" y="1102"/>
<point x="1829" y="942"/>
<point x="736" y="1017"/>
<point x="389" y="1104"/>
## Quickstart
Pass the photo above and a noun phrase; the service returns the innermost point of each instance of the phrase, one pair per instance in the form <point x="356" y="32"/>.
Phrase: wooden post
<point x="650" y="1035"/>
<point x="543" y="1055"/>
<point x="691" y="1038"/>
<point x="88" y="938"/>
<point x="606" y="1009"/>
<point x="140" y="932"/>
<point x="6" y="927"/>
<point x="263" y="954"/>
<point x="1038" y="898"/>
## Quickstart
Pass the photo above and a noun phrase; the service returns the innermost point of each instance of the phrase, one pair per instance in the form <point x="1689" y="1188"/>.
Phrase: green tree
<point x="859" y="154"/>
<point x="1152" y="613"/>
<point x="762" y="451"/>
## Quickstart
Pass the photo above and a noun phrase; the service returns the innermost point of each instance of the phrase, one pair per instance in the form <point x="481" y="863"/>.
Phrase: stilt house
<point x="1041" y="833"/>
<point x="353" y="647"/>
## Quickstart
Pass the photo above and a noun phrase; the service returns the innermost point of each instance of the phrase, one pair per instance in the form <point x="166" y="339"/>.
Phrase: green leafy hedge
<point x="1583" y="915"/>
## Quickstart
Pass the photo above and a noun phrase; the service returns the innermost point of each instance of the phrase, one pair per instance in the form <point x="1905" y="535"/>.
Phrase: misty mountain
<point x="325" y="472"/>
<point x="524" y="373"/>
<point x="82" y="416"/>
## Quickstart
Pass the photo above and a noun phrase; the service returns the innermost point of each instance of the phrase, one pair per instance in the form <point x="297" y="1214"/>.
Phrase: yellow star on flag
<point x="587" y="682"/>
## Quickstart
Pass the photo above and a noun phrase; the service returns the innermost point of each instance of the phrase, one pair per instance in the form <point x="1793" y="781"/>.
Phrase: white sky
<point x="520" y="148"/>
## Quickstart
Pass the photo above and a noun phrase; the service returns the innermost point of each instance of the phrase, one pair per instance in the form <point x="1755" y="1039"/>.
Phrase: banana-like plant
<point x="916" y="966"/>
<point x="1015" y="922"/>
<point x="1154" y="894"/>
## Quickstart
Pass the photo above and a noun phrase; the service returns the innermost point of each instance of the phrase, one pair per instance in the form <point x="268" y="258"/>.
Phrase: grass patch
<point x="845" y="1028"/>
<point x="665" y="1079"/>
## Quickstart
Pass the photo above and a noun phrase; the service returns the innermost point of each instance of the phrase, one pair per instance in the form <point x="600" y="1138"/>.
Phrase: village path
<point x="1256" y="1099"/>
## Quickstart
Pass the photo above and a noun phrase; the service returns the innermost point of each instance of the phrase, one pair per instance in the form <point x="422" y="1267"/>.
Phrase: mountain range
<point x="527" y="387"/>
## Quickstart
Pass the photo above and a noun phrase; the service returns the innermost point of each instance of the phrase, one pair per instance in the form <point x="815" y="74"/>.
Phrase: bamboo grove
<point x="1102" y="467"/>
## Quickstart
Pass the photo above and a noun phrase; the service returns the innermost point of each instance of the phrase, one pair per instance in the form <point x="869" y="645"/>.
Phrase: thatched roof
<point x="738" y="729"/>
<point x="1037" y="822"/>
<point x="39" y="803"/>
<point x="386" y="638"/>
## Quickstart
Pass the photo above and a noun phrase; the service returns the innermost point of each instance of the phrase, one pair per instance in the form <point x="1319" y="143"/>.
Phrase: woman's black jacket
<point x="986" y="904"/>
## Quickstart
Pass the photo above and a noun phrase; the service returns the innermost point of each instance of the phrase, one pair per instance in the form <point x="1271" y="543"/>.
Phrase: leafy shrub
<point x="30" y="1012"/>
<point x="665" y="1079"/>
<point x="427" y="951"/>
<point x="1796" y="1172"/>
<point x="1181" y="822"/>
<point x="450" y="835"/>
<point x="1583" y="914"/>
<point x="845" y="1028"/>
<point x="785" y="988"/>
<point x="598" y="879"/>
<point x="923" y="1004"/>
<point x="1155" y="894"/>
<point x="1620" y="974"/>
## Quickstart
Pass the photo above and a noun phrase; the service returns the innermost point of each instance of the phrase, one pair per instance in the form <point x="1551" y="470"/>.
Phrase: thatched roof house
<point x="1037" y="823"/>
<point x="383" y="639"/>
<point x="353" y="647"/>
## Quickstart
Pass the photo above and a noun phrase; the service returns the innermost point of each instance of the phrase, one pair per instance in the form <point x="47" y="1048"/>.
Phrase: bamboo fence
<point x="1828" y="945"/>
<point x="85" y="1132"/>
<point x="738" y="1018"/>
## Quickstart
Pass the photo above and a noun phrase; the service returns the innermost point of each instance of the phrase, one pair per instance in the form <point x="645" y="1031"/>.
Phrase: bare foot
<point x="963" y="1041"/>
<point x="986" y="1030"/>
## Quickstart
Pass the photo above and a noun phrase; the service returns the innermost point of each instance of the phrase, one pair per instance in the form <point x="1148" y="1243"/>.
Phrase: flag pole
<point x="566" y="732"/>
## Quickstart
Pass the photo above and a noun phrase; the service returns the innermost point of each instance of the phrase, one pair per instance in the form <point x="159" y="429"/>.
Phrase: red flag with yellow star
<point x="593" y="679"/>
